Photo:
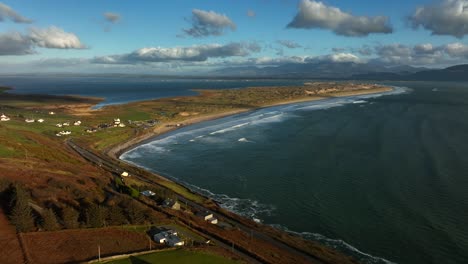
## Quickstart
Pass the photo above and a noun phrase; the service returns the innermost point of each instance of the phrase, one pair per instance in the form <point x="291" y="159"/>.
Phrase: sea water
<point x="383" y="178"/>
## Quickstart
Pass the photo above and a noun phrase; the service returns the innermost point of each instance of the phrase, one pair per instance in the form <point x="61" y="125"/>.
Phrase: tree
<point x="95" y="216"/>
<point x="135" y="213"/>
<point x="49" y="220"/>
<point x="70" y="218"/>
<point x="116" y="216"/>
<point x="21" y="214"/>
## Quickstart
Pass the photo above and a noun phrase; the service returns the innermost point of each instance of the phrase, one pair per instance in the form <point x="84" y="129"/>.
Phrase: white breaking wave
<point x="339" y="244"/>
<point x="360" y="102"/>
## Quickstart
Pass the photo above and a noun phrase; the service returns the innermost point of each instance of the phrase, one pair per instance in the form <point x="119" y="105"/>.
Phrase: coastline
<point x="117" y="150"/>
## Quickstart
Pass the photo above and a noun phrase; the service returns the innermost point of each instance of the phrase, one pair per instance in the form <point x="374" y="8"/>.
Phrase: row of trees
<point x="91" y="215"/>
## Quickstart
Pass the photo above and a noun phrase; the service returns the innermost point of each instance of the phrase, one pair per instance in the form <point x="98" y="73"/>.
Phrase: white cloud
<point x="55" y="38"/>
<point x="336" y="58"/>
<point x="289" y="44"/>
<point x="7" y="12"/>
<point x="445" y="17"/>
<point x="184" y="54"/>
<point x="15" y="43"/>
<point x="208" y="23"/>
<point x="456" y="50"/>
<point x="422" y="54"/>
<point x="314" y="14"/>
<point x="112" y="17"/>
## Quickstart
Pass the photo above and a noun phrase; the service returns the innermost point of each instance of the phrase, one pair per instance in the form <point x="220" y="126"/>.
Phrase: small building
<point x="117" y="121"/>
<point x="168" y="237"/>
<point x="3" y="117"/>
<point x="77" y="123"/>
<point x="66" y="132"/>
<point x="91" y="130"/>
<point x="169" y="203"/>
<point x="28" y="120"/>
<point x="207" y="216"/>
<point x="148" y="193"/>
<point x="59" y="125"/>
<point x="66" y="124"/>
<point x="51" y="113"/>
<point x="40" y="120"/>
<point x="121" y="125"/>
<point x="125" y="174"/>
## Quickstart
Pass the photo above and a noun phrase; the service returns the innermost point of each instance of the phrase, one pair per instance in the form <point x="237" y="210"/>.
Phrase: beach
<point x="119" y="149"/>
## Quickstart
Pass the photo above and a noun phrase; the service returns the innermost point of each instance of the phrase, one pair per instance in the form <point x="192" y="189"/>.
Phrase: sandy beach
<point x="167" y="127"/>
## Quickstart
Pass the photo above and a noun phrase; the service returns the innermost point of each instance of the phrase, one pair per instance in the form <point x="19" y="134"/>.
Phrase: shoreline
<point x="118" y="150"/>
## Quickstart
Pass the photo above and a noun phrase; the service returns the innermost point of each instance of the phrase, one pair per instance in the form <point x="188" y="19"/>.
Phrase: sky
<point x="185" y="37"/>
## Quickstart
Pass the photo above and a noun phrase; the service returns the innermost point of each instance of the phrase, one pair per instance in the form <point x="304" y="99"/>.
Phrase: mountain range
<point x="347" y="70"/>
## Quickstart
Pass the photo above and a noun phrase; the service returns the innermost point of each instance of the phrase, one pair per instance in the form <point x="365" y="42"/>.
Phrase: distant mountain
<point x="326" y="70"/>
<point x="454" y="73"/>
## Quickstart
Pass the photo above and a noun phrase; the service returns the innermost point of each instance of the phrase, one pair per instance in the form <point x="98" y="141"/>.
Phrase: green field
<point x="175" y="256"/>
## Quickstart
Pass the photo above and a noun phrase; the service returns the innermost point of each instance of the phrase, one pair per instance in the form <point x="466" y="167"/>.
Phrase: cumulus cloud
<point x="289" y="44"/>
<point x="208" y="23"/>
<point x="7" y="12"/>
<point x="445" y="17"/>
<point x="184" y="54"/>
<point x="15" y="43"/>
<point x="314" y="14"/>
<point x="422" y="54"/>
<point x="251" y="13"/>
<point x="55" y="38"/>
<point x="335" y="58"/>
<point x="456" y="50"/>
<point x="112" y="17"/>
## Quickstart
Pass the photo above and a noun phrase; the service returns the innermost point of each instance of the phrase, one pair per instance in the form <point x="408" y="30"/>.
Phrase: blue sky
<point x="46" y="35"/>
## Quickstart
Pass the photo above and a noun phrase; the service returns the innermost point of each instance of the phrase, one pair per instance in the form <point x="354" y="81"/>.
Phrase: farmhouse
<point x="28" y="120"/>
<point x="125" y="174"/>
<point x="77" y="123"/>
<point x="207" y="216"/>
<point x="168" y="237"/>
<point x="58" y="125"/>
<point x="4" y="118"/>
<point x="40" y="120"/>
<point x="169" y="203"/>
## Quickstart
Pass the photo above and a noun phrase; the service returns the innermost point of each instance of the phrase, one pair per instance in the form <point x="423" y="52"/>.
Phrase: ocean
<point x="383" y="178"/>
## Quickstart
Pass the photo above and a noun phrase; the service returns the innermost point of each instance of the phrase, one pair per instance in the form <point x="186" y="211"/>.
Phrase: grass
<point x="183" y="191"/>
<point x="181" y="256"/>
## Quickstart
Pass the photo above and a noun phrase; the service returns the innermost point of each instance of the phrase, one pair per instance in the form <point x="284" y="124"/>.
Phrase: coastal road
<point x="112" y="166"/>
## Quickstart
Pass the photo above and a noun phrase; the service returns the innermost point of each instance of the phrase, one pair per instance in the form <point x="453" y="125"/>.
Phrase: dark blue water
<point x="382" y="178"/>
<point x="118" y="90"/>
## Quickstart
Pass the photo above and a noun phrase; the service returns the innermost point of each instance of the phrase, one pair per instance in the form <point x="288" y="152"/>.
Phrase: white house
<point x="28" y="120"/>
<point x="65" y="132"/>
<point x="168" y="237"/>
<point x="51" y="113"/>
<point x="58" y="125"/>
<point x="3" y="117"/>
<point x="121" y="125"/>
<point x="66" y="124"/>
<point x="124" y="174"/>
<point x="40" y="120"/>
<point x="207" y="216"/>
<point x="116" y="121"/>
<point x="77" y="123"/>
